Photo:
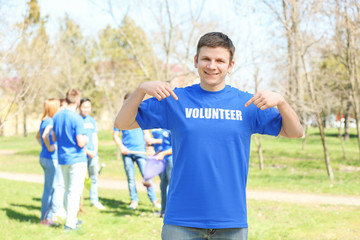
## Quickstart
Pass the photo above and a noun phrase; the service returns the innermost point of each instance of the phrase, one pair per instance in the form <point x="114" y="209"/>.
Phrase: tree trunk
<point x="326" y="152"/>
<point x="257" y="139"/>
<point x="24" y="123"/>
<point x="305" y="136"/>
<point x="17" y="125"/>
<point x="347" y="120"/>
<point x="340" y="132"/>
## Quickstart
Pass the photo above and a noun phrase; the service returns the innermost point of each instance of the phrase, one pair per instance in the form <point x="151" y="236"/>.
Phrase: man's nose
<point x="212" y="64"/>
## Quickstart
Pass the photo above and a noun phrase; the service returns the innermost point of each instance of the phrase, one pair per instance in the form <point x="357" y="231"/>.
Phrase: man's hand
<point x="91" y="154"/>
<point x="266" y="99"/>
<point x="160" y="156"/>
<point x="124" y="150"/>
<point x="158" y="89"/>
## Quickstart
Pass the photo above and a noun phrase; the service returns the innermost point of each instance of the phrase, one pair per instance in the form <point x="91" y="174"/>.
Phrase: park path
<point x="251" y="194"/>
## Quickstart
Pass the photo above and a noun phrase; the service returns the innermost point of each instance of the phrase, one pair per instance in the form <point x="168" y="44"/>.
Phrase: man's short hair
<point x="73" y="96"/>
<point x="216" y="39"/>
<point x="85" y="99"/>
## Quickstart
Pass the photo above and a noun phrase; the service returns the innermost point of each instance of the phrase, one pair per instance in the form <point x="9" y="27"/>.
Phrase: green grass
<point x="20" y="216"/>
<point x="287" y="166"/>
<point x="290" y="168"/>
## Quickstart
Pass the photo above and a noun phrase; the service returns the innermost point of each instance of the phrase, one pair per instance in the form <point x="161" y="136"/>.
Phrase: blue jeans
<point x="130" y="173"/>
<point x="93" y="170"/>
<point x="59" y="190"/>
<point x="74" y="178"/>
<point x="50" y="200"/>
<point x="171" y="232"/>
<point x="164" y="184"/>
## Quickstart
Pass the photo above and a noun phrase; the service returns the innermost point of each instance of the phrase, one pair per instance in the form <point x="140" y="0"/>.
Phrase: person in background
<point x="133" y="149"/>
<point x="71" y="140"/>
<point x="49" y="162"/>
<point x="91" y="151"/>
<point x="63" y="103"/>
<point x="161" y="142"/>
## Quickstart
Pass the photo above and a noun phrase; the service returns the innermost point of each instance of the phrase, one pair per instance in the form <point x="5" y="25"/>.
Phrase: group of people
<point x="69" y="149"/>
<point x="70" y="146"/>
<point x="204" y="133"/>
<point x="135" y="145"/>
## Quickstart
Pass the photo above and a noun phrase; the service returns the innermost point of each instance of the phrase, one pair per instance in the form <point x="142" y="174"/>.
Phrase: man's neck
<point x="72" y="107"/>
<point x="212" y="88"/>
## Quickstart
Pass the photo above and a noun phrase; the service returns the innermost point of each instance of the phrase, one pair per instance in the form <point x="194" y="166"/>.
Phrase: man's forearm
<point x="291" y="127"/>
<point x="126" y="118"/>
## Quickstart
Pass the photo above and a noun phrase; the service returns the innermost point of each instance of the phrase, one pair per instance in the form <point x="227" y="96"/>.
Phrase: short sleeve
<point x="79" y="126"/>
<point x="268" y="121"/>
<point x="95" y="126"/>
<point x="152" y="114"/>
<point x="48" y="122"/>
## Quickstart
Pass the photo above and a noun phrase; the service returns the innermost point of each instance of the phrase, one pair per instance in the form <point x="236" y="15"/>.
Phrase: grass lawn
<point x="287" y="166"/>
<point x="20" y="216"/>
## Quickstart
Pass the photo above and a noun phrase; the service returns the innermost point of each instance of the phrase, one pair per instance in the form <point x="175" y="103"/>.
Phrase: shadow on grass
<point x="37" y="199"/>
<point x="29" y="207"/>
<point x="21" y="217"/>
<point x="121" y="208"/>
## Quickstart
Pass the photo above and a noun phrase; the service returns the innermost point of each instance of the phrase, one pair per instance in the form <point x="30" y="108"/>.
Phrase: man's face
<point x="213" y="65"/>
<point x="85" y="108"/>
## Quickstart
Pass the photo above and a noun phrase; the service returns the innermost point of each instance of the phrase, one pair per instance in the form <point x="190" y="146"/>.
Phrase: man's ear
<point x="231" y="65"/>
<point x="195" y="61"/>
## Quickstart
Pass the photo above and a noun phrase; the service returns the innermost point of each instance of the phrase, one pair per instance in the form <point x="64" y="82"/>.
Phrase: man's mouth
<point x="211" y="74"/>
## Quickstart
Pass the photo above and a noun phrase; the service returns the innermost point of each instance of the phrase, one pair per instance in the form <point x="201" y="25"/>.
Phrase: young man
<point x="91" y="151"/>
<point x="211" y="125"/>
<point x="71" y="139"/>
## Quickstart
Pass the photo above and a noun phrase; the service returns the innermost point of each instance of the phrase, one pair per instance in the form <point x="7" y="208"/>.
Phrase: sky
<point x="244" y="25"/>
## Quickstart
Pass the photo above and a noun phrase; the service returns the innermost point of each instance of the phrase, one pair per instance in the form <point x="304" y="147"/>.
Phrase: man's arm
<point x="119" y="143"/>
<point x="150" y="140"/>
<point x="126" y="118"/>
<point x="82" y="140"/>
<point x="92" y="153"/>
<point x="291" y="126"/>
<point x="161" y="155"/>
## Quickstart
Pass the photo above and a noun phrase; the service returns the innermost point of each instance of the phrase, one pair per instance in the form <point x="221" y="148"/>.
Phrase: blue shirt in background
<point x="67" y="125"/>
<point x="44" y="151"/>
<point x="133" y="139"/>
<point x="166" y="143"/>
<point x="158" y="134"/>
<point x="211" y="134"/>
<point x="90" y="128"/>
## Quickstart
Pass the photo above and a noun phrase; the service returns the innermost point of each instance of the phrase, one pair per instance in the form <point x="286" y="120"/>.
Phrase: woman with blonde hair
<point x="49" y="162"/>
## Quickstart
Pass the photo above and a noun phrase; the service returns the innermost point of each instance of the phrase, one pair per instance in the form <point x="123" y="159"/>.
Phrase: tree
<point x="347" y="36"/>
<point x="293" y="14"/>
<point x="26" y="65"/>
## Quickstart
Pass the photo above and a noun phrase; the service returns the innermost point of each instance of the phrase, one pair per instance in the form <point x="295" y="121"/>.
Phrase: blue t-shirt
<point x="157" y="134"/>
<point x="133" y="139"/>
<point x="44" y="151"/>
<point x="166" y="143"/>
<point x="211" y="134"/>
<point x="90" y="129"/>
<point x="67" y="125"/>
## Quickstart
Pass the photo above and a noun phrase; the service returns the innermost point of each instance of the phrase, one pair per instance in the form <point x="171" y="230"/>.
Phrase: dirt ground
<point x="251" y="194"/>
